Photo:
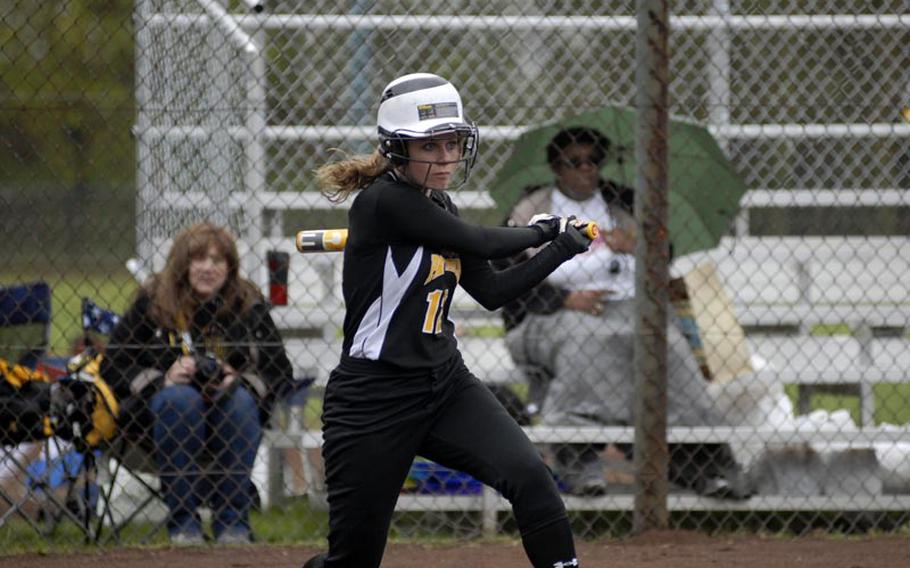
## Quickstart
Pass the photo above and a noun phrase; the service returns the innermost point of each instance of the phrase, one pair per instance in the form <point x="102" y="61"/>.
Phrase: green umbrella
<point x="704" y="188"/>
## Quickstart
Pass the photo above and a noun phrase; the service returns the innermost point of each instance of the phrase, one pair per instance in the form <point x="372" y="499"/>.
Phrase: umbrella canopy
<point x="704" y="189"/>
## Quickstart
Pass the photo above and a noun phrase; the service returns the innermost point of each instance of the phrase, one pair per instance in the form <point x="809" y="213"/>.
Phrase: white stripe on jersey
<point x="371" y="332"/>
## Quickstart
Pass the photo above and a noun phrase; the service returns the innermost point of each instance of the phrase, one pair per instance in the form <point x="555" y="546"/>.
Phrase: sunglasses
<point x="576" y="163"/>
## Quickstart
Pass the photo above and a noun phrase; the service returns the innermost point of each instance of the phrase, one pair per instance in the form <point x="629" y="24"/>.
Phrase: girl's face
<point x="433" y="161"/>
<point x="208" y="273"/>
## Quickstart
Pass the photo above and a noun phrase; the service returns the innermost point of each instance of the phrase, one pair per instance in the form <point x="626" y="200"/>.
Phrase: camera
<point x="209" y="373"/>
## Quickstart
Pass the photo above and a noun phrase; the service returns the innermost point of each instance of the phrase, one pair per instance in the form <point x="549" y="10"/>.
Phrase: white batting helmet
<point x="422" y="105"/>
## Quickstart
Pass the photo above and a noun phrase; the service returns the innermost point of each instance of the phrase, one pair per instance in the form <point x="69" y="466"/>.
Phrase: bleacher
<point x="826" y="314"/>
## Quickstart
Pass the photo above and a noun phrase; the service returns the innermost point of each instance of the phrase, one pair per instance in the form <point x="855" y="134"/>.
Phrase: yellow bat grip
<point x="588" y="229"/>
<point x="321" y="240"/>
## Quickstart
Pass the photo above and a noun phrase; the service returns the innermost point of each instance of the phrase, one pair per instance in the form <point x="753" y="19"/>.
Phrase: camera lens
<point x="207" y="368"/>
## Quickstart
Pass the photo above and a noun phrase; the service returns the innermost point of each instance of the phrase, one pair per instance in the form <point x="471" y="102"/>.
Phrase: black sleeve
<point x="412" y="216"/>
<point x="544" y="298"/>
<point x="494" y="288"/>
<point x="127" y="353"/>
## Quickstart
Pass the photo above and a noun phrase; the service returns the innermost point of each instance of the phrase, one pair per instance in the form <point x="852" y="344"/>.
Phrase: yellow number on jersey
<point x="432" y="321"/>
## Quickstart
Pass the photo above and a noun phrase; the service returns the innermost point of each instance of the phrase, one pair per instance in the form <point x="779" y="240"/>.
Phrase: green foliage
<point x="67" y="91"/>
<point x="67" y="159"/>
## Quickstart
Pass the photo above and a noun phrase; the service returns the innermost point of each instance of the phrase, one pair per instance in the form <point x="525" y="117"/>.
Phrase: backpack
<point x="24" y="404"/>
<point x="79" y="406"/>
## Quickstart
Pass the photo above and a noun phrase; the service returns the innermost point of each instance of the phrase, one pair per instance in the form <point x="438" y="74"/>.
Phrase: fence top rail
<point x="316" y="132"/>
<point x="602" y="23"/>
<point x="313" y="200"/>
<point x="846" y="197"/>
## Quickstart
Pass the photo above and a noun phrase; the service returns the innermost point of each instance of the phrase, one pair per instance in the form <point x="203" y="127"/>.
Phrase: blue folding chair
<point x="25" y="322"/>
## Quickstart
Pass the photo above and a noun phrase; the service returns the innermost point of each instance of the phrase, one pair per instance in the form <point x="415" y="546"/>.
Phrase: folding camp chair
<point x="125" y="462"/>
<point x="131" y="479"/>
<point x="42" y="478"/>
<point x="25" y="322"/>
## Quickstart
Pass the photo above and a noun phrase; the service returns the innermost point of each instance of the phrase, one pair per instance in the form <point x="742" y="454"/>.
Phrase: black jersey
<point x="406" y="252"/>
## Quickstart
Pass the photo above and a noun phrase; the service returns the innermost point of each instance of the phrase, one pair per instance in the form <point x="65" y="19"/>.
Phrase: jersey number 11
<point x="432" y="321"/>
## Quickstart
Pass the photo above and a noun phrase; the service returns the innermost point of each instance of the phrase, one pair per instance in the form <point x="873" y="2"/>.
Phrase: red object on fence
<point x="278" y="277"/>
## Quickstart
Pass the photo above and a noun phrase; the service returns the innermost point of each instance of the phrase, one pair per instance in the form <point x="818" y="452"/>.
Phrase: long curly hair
<point x="173" y="301"/>
<point x="339" y="180"/>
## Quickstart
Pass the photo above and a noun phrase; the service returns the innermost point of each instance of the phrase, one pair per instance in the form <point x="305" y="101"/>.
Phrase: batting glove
<point x="549" y="225"/>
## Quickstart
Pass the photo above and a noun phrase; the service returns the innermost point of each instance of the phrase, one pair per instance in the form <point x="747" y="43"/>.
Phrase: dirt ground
<point x="662" y="549"/>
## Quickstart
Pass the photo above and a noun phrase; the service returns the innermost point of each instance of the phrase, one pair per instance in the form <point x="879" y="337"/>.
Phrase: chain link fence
<point x="788" y="407"/>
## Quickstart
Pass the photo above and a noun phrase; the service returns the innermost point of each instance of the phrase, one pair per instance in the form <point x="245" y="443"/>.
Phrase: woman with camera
<point x="199" y="364"/>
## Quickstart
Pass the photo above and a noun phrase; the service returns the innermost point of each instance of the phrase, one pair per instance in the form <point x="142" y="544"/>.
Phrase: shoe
<point x="586" y="478"/>
<point x="317" y="561"/>
<point x="721" y="488"/>
<point x="229" y="538"/>
<point x="587" y="486"/>
<point x="187" y="539"/>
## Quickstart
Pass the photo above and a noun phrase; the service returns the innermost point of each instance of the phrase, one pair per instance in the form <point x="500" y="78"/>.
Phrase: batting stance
<point x="401" y="387"/>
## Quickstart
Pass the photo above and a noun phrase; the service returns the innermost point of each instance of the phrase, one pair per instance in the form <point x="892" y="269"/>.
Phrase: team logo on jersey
<point x="439" y="265"/>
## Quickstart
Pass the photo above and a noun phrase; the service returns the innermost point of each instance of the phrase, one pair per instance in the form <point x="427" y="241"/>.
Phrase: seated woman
<point x="199" y="363"/>
<point x="578" y="327"/>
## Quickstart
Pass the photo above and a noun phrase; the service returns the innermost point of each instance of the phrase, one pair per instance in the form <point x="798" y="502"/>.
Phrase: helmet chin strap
<point x="422" y="185"/>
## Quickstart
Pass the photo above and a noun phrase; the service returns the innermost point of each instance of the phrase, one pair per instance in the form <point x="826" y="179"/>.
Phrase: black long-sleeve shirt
<point x="404" y="257"/>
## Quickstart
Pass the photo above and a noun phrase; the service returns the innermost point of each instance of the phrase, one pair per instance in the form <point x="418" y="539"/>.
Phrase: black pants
<point x="376" y="422"/>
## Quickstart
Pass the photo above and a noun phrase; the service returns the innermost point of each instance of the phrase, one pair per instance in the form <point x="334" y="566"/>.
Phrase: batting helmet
<point x="422" y="105"/>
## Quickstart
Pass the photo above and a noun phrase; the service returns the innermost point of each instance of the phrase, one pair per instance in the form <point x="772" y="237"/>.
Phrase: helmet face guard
<point x="394" y="146"/>
<point x="423" y="106"/>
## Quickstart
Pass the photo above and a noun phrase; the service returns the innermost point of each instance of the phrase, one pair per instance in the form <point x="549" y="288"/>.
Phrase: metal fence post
<point x="651" y="258"/>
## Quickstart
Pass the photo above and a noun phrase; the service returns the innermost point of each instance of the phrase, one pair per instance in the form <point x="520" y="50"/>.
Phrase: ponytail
<point x="339" y="180"/>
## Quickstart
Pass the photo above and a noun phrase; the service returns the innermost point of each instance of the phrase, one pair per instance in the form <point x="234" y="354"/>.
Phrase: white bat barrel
<point x="322" y="240"/>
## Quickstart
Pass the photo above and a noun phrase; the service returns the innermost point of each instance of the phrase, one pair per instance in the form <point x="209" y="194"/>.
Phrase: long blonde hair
<point x="339" y="180"/>
<point x="173" y="302"/>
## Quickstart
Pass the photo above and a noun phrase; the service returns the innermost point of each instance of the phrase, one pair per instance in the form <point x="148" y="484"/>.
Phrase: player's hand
<point x="576" y="241"/>
<point x="550" y="226"/>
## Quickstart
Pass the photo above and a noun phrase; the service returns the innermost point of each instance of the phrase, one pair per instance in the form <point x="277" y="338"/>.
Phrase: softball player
<point x="401" y="387"/>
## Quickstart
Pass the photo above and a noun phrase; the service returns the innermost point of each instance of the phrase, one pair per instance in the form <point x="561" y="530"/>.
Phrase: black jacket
<point x="405" y="256"/>
<point x="140" y="352"/>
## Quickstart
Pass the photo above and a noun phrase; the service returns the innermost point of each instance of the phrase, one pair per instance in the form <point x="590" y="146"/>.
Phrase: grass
<point x="892" y="402"/>
<point x="828" y="330"/>
<point x="295" y="522"/>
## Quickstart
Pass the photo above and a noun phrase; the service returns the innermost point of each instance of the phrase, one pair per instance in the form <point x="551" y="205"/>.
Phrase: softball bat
<point x="333" y="240"/>
<point x="322" y="240"/>
<point x="587" y="228"/>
